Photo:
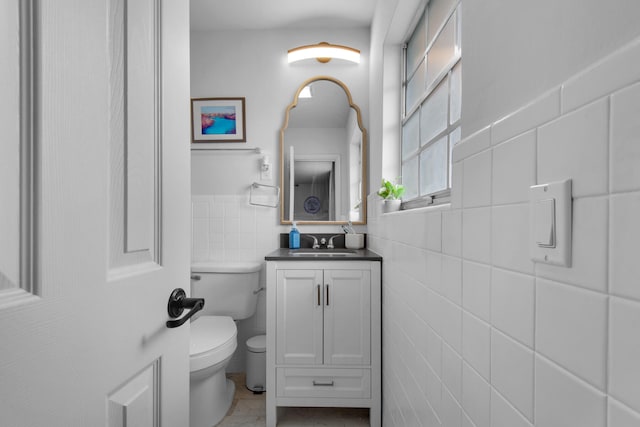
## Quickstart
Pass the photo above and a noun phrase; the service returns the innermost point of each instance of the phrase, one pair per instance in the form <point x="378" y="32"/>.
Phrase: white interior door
<point x="94" y="206"/>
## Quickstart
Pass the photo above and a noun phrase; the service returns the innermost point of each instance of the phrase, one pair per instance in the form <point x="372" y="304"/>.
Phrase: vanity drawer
<point x="321" y="382"/>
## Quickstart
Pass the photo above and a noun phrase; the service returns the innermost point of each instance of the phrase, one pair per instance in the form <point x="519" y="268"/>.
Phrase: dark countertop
<point x="307" y="254"/>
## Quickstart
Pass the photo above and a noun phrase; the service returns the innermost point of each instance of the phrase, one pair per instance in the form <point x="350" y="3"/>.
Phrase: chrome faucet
<point x="330" y="245"/>
<point x="315" y="241"/>
<point x="322" y="243"/>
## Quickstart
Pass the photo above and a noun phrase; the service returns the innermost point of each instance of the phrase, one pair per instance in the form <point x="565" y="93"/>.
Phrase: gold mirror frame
<point x="364" y="153"/>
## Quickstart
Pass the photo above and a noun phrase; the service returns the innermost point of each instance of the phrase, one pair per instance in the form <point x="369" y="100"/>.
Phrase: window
<point x="432" y="103"/>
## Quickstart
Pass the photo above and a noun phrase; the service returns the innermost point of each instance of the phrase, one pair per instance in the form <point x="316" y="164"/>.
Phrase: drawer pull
<point x="323" y="383"/>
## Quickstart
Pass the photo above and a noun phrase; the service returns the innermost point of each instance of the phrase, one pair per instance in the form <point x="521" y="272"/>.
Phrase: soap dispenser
<point x="294" y="237"/>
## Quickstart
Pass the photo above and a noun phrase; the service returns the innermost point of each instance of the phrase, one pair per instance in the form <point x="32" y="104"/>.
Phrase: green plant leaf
<point x="388" y="190"/>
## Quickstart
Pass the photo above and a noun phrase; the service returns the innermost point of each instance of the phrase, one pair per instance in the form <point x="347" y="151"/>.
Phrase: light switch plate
<point x="550" y="217"/>
<point x="545" y="226"/>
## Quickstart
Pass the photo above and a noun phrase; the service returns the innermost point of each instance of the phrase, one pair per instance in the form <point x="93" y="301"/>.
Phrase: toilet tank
<point x="228" y="288"/>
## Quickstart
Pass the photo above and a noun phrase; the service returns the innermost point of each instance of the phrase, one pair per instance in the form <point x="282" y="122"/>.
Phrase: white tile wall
<point x="452" y="232"/>
<point x="576" y="146"/>
<point x="625" y="237"/>
<point x="510" y="237"/>
<point x="505" y="415"/>
<point x="476" y="289"/>
<point x="625" y="139"/>
<point x="466" y="421"/>
<point x="476" y="234"/>
<point x="564" y="400"/>
<point x="452" y="278"/>
<point x="476" y="344"/>
<point x="479" y="141"/>
<point x="512" y="372"/>
<point x="575" y="337"/>
<point x="620" y="416"/>
<point x="476" y="397"/>
<point x="502" y="341"/>
<point x="456" y="185"/>
<point x="512" y="304"/>
<point x="452" y="372"/>
<point x="624" y="353"/>
<point x="228" y="228"/>
<point x="476" y="181"/>
<point x="541" y="110"/>
<point x="603" y="78"/>
<point x="451" y="411"/>
<point x="514" y="169"/>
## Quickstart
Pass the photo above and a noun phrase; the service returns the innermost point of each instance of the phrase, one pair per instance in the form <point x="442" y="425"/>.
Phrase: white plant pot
<point x="391" y="205"/>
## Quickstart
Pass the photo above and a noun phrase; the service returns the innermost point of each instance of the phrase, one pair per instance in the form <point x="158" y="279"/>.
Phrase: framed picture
<point x="217" y="120"/>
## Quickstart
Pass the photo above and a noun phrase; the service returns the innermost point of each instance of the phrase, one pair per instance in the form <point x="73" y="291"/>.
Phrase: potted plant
<point x="392" y="194"/>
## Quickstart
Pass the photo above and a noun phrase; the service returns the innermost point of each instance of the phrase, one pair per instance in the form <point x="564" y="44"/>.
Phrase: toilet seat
<point x="213" y="339"/>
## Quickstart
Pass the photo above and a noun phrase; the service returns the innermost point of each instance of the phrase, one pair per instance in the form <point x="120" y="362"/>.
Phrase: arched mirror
<point x="322" y="156"/>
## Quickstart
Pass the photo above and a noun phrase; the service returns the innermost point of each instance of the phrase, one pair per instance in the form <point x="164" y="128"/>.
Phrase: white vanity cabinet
<point x="323" y="335"/>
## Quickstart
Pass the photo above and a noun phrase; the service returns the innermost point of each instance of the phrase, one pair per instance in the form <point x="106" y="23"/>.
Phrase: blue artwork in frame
<point x="218" y="120"/>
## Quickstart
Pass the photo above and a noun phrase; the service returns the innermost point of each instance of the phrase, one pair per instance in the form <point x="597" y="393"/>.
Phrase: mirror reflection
<point x="322" y="146"/>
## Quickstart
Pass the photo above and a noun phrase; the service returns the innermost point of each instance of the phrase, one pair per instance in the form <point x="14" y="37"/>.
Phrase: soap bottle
<point x="294" y="237"/>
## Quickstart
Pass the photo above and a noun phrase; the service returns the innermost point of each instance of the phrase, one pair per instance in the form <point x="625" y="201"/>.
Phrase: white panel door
<point x="98" y="199"/>
<point x="347" y="317"/>
<point x="299" y="304"/>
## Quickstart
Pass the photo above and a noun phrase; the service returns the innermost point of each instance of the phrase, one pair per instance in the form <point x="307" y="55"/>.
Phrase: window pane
<point x="415" y="87"/>
<point x="433" y="167"/>
<point x="417" y="46"/>
<point x="410" y="178"/>
<point x="456" y="94"/>
<point x="410" y="136"/>
<point x="442" y="51"/>
<point x="433" y="116"/>
<point x="437" y="14"/>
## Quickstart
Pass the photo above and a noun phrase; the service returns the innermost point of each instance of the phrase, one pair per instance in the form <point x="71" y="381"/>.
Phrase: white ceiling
<point x="270" y="14"/>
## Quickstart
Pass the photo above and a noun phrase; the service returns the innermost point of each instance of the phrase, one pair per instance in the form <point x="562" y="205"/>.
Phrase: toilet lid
<point x="257" y="344"/>
<point x="213" y="339"/>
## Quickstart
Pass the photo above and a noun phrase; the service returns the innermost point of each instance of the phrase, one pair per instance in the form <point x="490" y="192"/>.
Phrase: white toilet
<point x="230" y="293"/>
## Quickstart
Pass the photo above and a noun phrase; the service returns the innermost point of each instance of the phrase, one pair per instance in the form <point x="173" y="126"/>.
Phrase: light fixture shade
<point x="324" y="52"/>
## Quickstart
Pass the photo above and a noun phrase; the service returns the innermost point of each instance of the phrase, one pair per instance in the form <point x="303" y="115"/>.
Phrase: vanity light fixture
<point x="324" y="52"/>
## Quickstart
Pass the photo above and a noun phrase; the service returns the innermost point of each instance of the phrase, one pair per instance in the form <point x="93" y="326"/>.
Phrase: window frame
<point x="409" y="112"/>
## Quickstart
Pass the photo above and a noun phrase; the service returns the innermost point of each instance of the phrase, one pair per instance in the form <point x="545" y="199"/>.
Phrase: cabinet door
<point x="347" y="317"/>
<point x="299" y="317"/>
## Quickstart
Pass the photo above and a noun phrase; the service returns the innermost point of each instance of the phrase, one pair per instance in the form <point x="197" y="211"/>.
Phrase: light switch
<point x="550" y="223"/>
<point x="545" y="218"/>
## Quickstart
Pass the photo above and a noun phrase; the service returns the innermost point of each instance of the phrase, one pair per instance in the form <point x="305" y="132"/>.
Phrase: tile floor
<point x="248" y="410"/>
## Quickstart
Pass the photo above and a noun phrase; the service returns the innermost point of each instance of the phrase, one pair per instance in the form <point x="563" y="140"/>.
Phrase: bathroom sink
<point x="321" y="252"/>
